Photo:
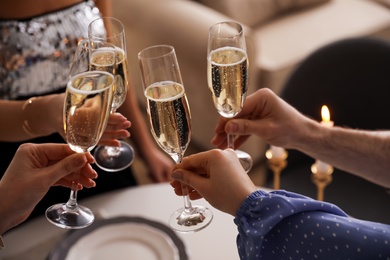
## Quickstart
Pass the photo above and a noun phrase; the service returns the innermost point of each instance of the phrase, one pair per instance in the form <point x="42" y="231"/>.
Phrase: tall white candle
<point x="277" y="152"/>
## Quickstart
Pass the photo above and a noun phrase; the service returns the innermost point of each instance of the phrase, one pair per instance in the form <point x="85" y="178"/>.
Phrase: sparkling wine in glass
<point x="227" y="75"/>
<point x="112" y="31"/>
<point x="102" y="57"/>
<point x="170" y="122"/>
<point x="86" y="110"/>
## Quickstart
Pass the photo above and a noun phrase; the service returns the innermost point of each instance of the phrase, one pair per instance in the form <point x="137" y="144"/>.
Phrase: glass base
<point x="116" y="159"/>
<point x="62" y="217"/>
<point x="245" y="160"/>
<point x="190" y="221"/>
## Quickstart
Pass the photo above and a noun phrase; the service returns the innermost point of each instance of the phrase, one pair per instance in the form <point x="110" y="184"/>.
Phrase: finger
<point x="88" y="172"/>
<point x="117" y="134"/>
<point x="87" y="182"/>
<point x="70" y="164"/>
<point x="177" y="186"/>
<point x="117" y="127"/>
<point x="220" y="141"/>
<point x="82" y="180"/>
<point x="241" y="127"/>
<point x="118" y="124"/>
<point x="52" y="152"/>
<point x="84" y="177"/>
<point x="191" y="179"/>
<point x="194" y="195"/>
<point x="68" y="184"/>
<point x="109" y="142"/>
<point x="117" y="118"/>
<point x="199" y="163"/>
<point x="220" y="127"/>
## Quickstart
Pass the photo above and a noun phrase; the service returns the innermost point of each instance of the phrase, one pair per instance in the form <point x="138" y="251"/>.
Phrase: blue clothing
<point x="286" y="225"/>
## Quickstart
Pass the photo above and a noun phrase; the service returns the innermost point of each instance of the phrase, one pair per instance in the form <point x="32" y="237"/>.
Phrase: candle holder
<point x="276" y="164"/>
<point x="321" y="176"/>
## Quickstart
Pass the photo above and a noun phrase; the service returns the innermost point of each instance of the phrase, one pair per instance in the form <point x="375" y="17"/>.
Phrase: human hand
<point x="215" y="175"/>
<point x="33" y="170"/>
<point x="115" y="129"/>
<point x="266" y="115"/>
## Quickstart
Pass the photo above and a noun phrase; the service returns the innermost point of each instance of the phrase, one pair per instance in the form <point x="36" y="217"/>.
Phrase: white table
<point x="156" y="202"/>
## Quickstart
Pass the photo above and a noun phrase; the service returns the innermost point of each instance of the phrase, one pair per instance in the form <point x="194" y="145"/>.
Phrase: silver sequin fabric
<point x="35" y="54"/>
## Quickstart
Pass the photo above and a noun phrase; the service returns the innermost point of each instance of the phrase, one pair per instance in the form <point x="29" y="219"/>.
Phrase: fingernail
<point x="177" y="175"/>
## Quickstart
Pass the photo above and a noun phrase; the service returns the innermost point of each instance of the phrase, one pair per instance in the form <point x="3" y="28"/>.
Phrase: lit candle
<point x="325" y="114"/>
<point x="320" y="166"/>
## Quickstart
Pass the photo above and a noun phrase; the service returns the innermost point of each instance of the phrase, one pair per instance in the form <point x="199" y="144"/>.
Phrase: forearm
<point x="363" y="153"/>
<point x="105" y="7"/>
<point x="24" y="120"/>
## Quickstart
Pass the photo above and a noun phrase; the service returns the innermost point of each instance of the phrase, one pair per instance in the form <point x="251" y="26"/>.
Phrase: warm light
<point x="325" y="114"/>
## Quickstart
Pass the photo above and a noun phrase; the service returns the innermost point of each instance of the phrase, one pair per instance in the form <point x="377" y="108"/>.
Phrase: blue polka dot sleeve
<point x="286" y="225"/>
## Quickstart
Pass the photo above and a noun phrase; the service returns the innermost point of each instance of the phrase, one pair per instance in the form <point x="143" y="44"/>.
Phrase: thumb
<point x="240" y="127"/>
<point x="189" y="178"/>
<point x="68" y="165"/>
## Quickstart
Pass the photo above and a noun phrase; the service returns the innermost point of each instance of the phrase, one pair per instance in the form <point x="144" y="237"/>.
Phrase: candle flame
<point x="325" y="114"/>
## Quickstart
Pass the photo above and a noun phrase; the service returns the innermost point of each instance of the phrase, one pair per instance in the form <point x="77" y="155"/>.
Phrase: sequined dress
<point x="35" y="56"/>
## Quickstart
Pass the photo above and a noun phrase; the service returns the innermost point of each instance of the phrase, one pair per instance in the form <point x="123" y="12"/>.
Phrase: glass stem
<point x="72" y="202"/>
<point x="230" y="141"/>
<point x="187" y="202"/>
<point x="113" y="151"/>
<point x="184" y="188"/>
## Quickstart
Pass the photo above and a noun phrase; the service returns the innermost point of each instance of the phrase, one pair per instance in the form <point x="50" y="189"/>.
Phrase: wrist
<point x="27" y="111"/>
<point x="308" y="134"/>
<point x="42" y="115"/>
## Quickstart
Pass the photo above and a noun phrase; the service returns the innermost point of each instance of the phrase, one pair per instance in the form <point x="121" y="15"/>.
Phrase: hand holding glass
<point x="170" y="122"/>
<point x="86" y="111"/>
<point x="227" y="75"/>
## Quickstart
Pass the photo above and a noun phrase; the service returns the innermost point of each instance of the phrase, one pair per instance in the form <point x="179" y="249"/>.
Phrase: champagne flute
<point x="227" y="75"/>
<point x="86" y="110"/>
<point x="111" y="30"/>
<point x="170" y="121"/>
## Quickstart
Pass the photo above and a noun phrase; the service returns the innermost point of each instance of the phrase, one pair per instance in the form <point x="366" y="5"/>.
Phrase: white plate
<point x="121" y="238"/>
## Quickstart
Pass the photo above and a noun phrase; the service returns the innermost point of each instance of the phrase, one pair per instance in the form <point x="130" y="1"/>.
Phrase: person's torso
<point x="35" y="54"/>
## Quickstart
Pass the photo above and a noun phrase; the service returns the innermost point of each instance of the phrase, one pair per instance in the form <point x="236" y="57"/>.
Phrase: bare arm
<point x="363" y="153"/>
<point x="23" y="120"/>
<point x="105" y="7"/>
